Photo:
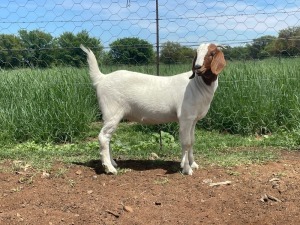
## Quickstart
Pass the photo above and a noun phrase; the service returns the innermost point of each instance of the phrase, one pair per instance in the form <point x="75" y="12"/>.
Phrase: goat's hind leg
<point x="104" y="139"/>
<point x="192" y="162"/>
<point x="186" y="168"/>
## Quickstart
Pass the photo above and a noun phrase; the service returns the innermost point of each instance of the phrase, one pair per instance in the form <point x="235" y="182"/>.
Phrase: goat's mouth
<point x="200" y="70"/>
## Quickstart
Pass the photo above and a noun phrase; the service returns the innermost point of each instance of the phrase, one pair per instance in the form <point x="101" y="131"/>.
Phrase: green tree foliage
<point x="173" y="52"/>
<point x="38" y="48"/>
<point x="238" y="52"/>
<point x="10" y="51"/>
<point x="288" y="42"/>
<point x="257" y="49"/>
<point x="69" y="52"/>
<point x="131" y="51"/>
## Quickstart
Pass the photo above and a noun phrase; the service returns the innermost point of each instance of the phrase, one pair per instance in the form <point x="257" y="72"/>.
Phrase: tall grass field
<point x="257" y="97"/>
<point x="45" y="105"/>
<point x="59" y="104"/>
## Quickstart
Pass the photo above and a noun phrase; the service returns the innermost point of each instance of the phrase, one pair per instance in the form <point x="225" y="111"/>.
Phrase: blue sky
<point x="232" y="22"/>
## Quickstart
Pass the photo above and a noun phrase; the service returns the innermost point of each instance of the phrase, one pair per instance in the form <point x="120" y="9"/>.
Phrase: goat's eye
<point x="212" y="53"/>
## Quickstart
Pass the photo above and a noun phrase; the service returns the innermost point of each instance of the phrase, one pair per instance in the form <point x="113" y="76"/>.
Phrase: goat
<point x="153" y="99"/>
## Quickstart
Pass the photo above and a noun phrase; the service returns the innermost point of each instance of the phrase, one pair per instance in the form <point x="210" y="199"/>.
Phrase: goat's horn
<point x="221" y="47"/>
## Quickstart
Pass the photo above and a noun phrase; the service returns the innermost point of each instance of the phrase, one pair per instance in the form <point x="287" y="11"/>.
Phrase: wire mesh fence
<point x="258" y="91"/>
<point x="47" y="33"/>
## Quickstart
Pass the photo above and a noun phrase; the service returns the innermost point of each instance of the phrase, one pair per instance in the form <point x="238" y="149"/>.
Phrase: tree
<point x="131" y="51"/>
<point x="69" y="52"/>
<point x="38" y="47"/>
<point x="258" y="48"/>
<point x="173" y="52"/>
<point x="10" y="51"/>
<point x="237" y="53"/>
<point x="288" y="42"/>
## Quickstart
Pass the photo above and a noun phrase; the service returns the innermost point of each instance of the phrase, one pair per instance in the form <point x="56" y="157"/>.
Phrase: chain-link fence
<point x="262" y="40"/>
<point x="47" y="33"/>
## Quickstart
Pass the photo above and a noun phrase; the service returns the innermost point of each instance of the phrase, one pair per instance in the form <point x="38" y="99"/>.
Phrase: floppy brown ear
<point x="218" y="63"/>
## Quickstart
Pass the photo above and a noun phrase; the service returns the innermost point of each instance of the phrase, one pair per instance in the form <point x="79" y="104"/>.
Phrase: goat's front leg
<point x="192" y="162"/>
<point x="104" y="140"/>
<point x="186" y="141"/>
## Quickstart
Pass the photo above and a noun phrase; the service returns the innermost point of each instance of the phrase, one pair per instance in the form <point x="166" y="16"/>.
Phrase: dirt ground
<point x="149" y="192"/>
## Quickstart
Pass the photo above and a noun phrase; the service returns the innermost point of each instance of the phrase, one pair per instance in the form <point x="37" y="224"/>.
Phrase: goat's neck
<point x="201" y="90"/>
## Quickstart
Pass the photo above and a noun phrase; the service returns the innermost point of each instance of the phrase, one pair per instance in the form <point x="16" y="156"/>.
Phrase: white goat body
<point x="149" y="99"/>
<point x="155" y="99"/>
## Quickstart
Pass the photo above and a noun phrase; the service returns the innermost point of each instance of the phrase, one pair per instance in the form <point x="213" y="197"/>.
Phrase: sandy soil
<point x="148" y="192"/>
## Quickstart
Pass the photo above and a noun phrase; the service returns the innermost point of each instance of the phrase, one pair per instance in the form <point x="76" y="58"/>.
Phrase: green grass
<point x="58" y="105"/>
<point x="257" y="97"/>
<point x="132" y="142"/>
<point x="45" y="105"/>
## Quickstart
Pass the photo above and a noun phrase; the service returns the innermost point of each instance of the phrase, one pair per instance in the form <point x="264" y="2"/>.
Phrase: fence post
<point x="157" y="62"/>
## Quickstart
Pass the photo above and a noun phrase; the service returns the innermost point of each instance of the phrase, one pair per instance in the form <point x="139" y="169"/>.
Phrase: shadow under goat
<point x="152" y="99"/>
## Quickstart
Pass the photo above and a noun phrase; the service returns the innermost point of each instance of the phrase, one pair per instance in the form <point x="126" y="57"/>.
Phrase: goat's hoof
<point x="188" y="171"/>
<point x="195" y="166"/>
<point x="110" y="170"/>
<point x="182" y="165"/>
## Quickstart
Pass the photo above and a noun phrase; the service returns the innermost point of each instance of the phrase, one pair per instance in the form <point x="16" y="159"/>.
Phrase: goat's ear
<point x="218" y="63"/>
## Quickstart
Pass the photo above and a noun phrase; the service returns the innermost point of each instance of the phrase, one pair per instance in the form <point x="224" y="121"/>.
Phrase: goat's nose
<point x="197" y="66"/>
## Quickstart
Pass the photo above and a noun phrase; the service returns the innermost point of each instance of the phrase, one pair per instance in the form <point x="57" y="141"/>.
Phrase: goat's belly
<point x="152" y="117"/>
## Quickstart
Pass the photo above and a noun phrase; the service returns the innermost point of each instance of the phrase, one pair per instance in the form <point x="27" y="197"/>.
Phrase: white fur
<point x="152" y="100"/>
<point x="201" y="52"/>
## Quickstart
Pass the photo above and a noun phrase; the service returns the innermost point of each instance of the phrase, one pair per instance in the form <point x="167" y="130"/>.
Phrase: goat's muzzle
<point x="197" y="67"/>
<point x="199" y="70"/>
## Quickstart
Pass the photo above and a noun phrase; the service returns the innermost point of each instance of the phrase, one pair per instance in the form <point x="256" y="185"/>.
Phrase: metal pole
<point x="157" y="61"/>
<point x="157" y="39"/>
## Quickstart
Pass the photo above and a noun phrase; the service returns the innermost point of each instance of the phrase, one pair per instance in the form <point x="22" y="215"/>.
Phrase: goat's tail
<point x="95" y="73"/>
